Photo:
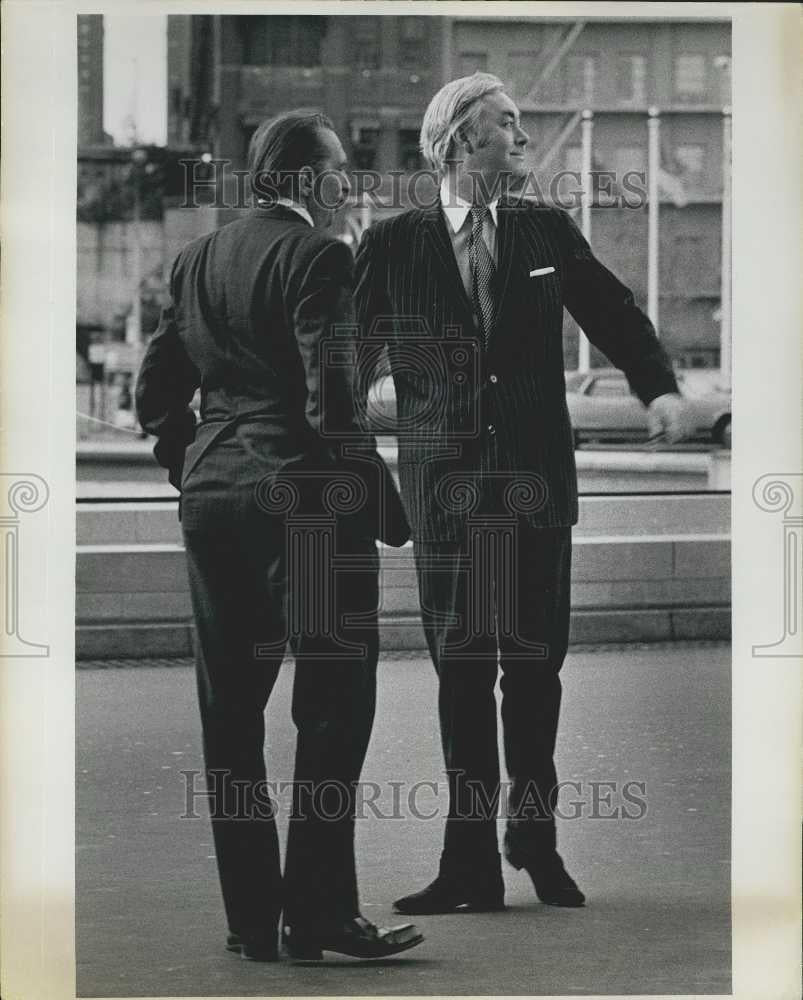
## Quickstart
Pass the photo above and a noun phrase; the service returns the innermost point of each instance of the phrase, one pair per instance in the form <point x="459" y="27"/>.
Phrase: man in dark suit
<point x="467" y="296"/>
<point x="282" y="498"/>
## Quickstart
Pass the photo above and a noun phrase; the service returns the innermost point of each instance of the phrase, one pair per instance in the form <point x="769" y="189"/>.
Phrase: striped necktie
<point x="483" y="271"/>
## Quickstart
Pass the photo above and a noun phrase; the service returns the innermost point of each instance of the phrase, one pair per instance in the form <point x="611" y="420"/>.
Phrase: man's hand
<point x="671" y="416"/>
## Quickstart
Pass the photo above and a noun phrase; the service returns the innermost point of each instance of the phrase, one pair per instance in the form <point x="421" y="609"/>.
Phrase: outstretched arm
<point x="610" y="318"/>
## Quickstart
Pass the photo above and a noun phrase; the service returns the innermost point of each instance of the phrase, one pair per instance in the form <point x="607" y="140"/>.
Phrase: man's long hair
<point x="456" y="106"/>
<point x="280" y="147"/>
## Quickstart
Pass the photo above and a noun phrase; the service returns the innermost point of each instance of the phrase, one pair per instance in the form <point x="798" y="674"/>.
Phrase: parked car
<point x="602" y="406"/>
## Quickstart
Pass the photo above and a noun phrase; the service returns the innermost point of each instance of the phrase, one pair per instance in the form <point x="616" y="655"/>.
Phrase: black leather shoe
<point x="358" y="938"/>
<point x="553" y="884"/>
<point x="449" y="893"/>
<point x="256" y="949"/>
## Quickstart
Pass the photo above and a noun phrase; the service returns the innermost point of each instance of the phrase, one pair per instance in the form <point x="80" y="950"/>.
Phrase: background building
<point x="374" y="75"/>
<point x="618" y="69"/>
<point x="90" y="80"/>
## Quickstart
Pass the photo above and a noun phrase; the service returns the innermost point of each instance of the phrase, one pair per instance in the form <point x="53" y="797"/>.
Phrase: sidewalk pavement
<point x="149" y="916"/>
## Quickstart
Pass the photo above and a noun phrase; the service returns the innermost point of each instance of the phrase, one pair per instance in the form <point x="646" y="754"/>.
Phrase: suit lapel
<point x="507" y="250"/>
<point x="442" y="251"/>
<point x="440" y="247"/>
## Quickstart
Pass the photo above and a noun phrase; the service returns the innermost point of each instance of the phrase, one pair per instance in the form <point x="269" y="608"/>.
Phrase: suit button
<point x="493" y="379"/>
<point x="491" y="429"/>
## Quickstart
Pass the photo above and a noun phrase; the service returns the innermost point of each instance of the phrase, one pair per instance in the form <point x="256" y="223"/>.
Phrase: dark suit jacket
<point x="262" y="320"/>
<point x="463" y="410"/>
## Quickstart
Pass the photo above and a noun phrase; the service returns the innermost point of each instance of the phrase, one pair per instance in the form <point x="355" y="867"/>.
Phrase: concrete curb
<point x="135" y="641"/>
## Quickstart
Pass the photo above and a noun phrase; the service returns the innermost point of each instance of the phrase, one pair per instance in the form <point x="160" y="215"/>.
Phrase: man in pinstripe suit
<point x="467" y="296"/>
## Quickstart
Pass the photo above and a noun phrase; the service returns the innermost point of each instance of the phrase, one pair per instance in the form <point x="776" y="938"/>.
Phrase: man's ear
<point x="306" y="178"/>
<point x="464" y="139"/>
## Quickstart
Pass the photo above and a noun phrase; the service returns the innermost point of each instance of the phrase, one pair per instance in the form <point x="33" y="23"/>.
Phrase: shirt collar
<point x="456" y="208"/>
<point x="294" y="206"/>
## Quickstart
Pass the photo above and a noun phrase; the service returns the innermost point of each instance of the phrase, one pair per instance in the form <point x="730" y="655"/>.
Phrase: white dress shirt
<point x="288" y="203"/>
<point x="458" y="220"/>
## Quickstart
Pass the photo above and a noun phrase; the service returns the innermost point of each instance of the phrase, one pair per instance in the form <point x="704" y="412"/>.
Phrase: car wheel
<point x="722" y="432"/>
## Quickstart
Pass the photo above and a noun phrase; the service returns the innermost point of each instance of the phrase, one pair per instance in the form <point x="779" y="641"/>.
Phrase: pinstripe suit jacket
<point x="471" y="417"/>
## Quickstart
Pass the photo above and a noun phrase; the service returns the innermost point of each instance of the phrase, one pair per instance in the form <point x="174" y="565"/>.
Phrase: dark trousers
<point x="256" y="585"/>
<point x="499" y="597"/>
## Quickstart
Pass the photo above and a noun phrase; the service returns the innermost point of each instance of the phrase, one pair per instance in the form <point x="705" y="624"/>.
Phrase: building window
<point x="580" y="73"/>
<point x="692" y="268"/>
<point x="698" y="357"/>
<point x="722" y="64"/>
<point x="629" y="159"/>
<point x="690" y="77"/>
<point x="254" y="34"/>
<point x="413" y="47"/>
<point x="631" y="79"/>
<point x="281" y="40"/>
<point x="473" y="62"/>
<point x="521" y="73"/>
<point x="614" y="386"/>
<point x="366" y="43"/>
<point x="365" y="144"/>
<point x="691" y="159"/>
<point x="413" y="29"/>
<point x="409" y="152"/>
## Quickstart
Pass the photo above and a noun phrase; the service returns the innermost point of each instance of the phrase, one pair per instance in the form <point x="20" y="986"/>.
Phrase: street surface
<point x="149" y="916"/>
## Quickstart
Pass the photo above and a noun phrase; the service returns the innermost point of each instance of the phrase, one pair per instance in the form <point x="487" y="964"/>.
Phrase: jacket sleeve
<point x="371" y="300"/>
<point x="610" y="318"/>
<point x="324" y="326"/>
<point x="374" y="312"/>
<point x="166" y="383"/>
<point x="323" y="323"/>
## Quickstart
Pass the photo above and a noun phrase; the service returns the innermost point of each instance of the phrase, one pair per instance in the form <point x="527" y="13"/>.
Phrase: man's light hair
<point x="456" y="106"/>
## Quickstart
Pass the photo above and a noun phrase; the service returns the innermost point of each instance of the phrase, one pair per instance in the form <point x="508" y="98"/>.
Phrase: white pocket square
<point x="541" y="270"/>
